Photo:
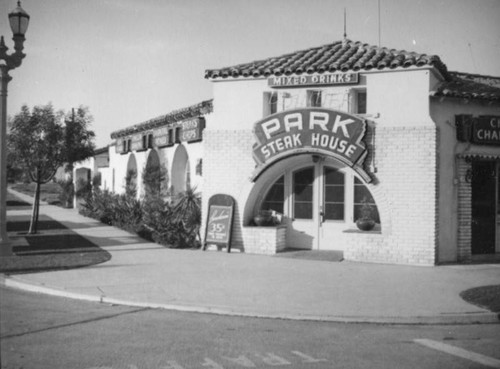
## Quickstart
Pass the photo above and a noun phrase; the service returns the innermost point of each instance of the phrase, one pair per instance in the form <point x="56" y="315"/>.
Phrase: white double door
<point x="316" y="206"/>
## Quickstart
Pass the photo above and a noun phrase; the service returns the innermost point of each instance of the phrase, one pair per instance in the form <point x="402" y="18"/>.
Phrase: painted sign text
<point x="314" y="80"/>
<point x="310" y="130"/>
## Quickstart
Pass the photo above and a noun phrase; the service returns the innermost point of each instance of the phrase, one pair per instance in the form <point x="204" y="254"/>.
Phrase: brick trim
<point x="464" y="237"/>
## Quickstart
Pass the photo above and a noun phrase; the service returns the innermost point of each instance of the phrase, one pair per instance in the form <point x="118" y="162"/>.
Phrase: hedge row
<point x="173" y="224"/>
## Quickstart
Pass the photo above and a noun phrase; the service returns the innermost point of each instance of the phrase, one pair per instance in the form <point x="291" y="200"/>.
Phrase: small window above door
<point x="357" y="101"/>
<point x="314" y="98"/>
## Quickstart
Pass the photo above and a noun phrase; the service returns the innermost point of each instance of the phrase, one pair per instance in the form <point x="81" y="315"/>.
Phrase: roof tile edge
<point x="193" y="111"/>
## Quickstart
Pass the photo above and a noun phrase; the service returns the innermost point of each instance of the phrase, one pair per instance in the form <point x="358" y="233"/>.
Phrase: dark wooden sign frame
<point x="219" y="225"/>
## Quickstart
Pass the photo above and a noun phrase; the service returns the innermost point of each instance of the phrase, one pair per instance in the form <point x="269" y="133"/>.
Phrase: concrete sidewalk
<point x="145" y="274"/>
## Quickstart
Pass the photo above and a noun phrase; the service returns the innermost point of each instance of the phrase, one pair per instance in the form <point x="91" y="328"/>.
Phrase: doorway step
<point x="486" y="259"/>
<point x="321" y="255"/>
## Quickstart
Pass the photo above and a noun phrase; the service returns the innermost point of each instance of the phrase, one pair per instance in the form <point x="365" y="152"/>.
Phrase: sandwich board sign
<point x="219" y="222"/>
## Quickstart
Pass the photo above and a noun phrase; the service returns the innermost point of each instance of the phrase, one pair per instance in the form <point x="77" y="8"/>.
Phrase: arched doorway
<point x="131" y="176"/>
<point x="82" y="177"/>
<point x="319" y="197"/>
<point x="82" y="184"/>
<point x="180" y="170"/>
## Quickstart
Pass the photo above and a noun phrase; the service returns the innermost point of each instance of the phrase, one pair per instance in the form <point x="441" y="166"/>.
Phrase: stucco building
<point x="172" y="141"/>
<point x="313" y="133"/>
<point x="316" y="135"/>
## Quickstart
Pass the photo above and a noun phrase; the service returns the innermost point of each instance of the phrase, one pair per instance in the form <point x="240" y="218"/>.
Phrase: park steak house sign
<point x="310" y="130"/>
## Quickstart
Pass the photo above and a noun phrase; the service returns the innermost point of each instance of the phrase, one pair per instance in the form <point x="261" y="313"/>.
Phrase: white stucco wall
<point x="400" y="98"/>
<point x="118" y="164"/>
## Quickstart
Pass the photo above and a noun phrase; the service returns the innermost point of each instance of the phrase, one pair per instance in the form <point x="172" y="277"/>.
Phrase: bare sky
<point x="132" y="60"/>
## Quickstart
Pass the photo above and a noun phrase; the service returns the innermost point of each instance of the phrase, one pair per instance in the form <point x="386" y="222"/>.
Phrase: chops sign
<point x="486" y="130"/>
<point x="312" y="130"/>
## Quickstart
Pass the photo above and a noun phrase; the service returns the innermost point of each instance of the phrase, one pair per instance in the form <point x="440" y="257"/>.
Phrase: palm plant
<point x="187" y="211"/>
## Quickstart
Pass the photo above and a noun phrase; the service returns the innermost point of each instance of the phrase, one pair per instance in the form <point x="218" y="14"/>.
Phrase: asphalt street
<point x="40" y="331"/>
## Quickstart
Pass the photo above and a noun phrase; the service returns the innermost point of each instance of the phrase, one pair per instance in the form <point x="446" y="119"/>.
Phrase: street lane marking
<point x="455" y="351"/>
<point x="268" y="359"/>
<point x="307" y="358"/>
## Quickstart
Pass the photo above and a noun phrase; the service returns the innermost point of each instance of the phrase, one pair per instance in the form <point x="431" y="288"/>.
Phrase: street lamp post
<point x="18" y="20"/>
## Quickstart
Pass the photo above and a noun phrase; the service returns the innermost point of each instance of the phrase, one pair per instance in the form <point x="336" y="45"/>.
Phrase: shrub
<point x="83" y="189"/>
<point x="97" y="180"/>
<point x="131" y="183"/>
<point x="67" y="192"/>
<point x="99" y="206"/>
<point x="152" y="218"/>
<point x="187" y="212"/>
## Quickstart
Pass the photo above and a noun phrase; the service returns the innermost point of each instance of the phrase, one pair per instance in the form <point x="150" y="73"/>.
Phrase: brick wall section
<point x="406" y="194"/>
<point x="228" y="164"/>
<point x="405" y="190"/>
<point x="464" y="212"/>
<point x="264" y="240"/>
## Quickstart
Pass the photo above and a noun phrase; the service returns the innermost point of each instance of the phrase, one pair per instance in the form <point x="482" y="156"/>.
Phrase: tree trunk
<point x="36" y="210"/>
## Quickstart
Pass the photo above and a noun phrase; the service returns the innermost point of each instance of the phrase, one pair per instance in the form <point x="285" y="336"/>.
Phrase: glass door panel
<point x="303" y="226"/>
<point x="303" y="185"/>
<point x="334" y="194"/>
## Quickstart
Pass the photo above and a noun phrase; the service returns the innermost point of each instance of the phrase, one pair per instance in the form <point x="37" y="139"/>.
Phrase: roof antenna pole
<point x="472" y="57"/>
<point x="345" y="28"/>
<point x="379" y="23"/>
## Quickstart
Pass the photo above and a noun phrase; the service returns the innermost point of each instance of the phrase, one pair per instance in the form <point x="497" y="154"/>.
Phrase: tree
<point x="78" y="139"/>
<point x="37" y="138"/>
<point x="42" y="144"/>
<point x="14" y="167"/>
<point x="155" y="177"/>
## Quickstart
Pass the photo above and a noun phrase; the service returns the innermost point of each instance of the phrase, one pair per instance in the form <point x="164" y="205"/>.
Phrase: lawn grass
<point x="51" y="262"/>
<point x="49" y="192"/>
<point x="487" y="297"/>
<point x="54" y="247"/>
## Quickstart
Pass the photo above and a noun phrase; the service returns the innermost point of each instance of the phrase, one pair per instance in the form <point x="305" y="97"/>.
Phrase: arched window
<point x="363" y="196"/>
<point x="275" y="197"/>
<point x="338" y="196"/>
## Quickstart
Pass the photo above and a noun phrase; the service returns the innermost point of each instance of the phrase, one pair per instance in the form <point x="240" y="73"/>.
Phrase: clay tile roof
<point x="469" y="86"/>
<point x="193" y="111"/>
<point x="339" y="56"/>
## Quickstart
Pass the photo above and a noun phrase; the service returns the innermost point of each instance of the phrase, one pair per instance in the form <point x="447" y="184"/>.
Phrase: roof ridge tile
<point x="337" y="56"/>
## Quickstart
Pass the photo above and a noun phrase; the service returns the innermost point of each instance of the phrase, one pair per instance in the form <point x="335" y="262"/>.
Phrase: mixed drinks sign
<point x="314" y="80"/>
<point x="310" y="130"/>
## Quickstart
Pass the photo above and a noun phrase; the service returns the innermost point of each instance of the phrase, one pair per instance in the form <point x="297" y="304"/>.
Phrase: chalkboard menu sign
<point x="219" y="221"/>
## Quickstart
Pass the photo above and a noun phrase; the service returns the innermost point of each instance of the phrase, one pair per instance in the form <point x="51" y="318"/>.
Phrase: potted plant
<point x="263" y="218"/>
<point x="367" y="221"/>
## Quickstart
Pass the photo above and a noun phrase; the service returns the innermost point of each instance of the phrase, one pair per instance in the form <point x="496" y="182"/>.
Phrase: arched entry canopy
<point x="319" y="131"/>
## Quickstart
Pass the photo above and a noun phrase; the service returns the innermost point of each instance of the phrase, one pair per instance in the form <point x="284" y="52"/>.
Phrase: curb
<point x="448" y="319"/>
